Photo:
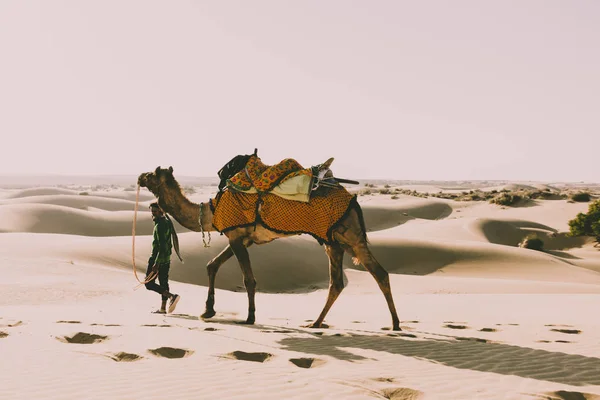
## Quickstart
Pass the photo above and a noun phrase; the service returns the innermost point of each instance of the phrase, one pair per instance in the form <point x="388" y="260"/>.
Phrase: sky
<point x="423" y="90"/>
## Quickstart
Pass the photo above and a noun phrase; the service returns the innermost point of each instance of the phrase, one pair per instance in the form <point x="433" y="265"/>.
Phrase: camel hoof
<point x="397" y="328"/>
<point x="208" y="314"/>
<point x="314" y="325"/>
<point x="246" y="322"/>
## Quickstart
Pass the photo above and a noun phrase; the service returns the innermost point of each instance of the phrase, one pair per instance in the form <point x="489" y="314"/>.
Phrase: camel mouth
<point x="142" y="180"/>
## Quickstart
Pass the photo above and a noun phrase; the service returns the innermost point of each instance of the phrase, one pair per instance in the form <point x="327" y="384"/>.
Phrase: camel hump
<point x="326" y="164"/>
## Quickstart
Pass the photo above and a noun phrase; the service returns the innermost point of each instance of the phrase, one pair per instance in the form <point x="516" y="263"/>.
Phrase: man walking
<point x="160" y="260"/>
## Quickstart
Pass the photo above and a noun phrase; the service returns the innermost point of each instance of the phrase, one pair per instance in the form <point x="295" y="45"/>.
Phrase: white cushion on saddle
<point x="296" y="188"/>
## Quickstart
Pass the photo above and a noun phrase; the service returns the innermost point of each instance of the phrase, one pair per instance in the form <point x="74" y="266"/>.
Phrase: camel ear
<point x="157" y="170"/>
<point x="171" y="170"/>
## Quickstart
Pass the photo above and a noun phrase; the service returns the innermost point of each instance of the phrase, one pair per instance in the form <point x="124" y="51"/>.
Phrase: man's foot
<point x="173" y="302"/>
<point x="159" y="312"/>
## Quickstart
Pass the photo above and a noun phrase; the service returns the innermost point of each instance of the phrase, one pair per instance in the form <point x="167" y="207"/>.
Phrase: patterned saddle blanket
<point x="287" y="179"/>
<point x="318" y="218"/>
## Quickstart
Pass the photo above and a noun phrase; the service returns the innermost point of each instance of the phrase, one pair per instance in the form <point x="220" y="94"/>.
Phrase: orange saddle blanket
<point x="318" y="218"/>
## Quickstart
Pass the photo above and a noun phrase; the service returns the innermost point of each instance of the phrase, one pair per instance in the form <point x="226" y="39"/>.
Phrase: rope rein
<point x="153" y="274"/>
<point x="202" y="228"/>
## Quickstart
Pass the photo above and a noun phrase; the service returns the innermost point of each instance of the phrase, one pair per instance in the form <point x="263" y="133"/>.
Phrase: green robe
<point x="161" y="243"/>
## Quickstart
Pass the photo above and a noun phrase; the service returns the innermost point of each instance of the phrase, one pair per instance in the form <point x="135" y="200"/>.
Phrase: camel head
<point x="154" y="180"/>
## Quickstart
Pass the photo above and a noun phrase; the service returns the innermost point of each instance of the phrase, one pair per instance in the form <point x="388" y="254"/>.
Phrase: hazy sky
<point x="392" y="89"/>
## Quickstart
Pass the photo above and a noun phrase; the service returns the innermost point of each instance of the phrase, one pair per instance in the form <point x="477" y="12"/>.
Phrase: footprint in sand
<point x="452" y="326"/>
<point x="488" y="330"/>
<point x="402" y="394"/>
<point x="383" y="379"/>
<point x="3" y="334"/>
<point x="12" y="325"/>
<point x="243" y="356"/>
<point x="277" y="331"/>
<point x="474" y="339"/>
<point x="170" y="352"/>
<point x="306" y="362"/>
<point x="157" y="326"/>
<point x="410" y="335"/>
<point x="568" y="331"/>
<point x="68" y="322"/>
<point x="567" y="395"/>
<point x="83" y="338"/>
<point x="105" y="325"/>
<point x="124" y="357"/>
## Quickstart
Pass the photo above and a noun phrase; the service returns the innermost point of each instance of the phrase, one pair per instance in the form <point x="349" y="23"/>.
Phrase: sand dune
<point x="481" y="317"/>
<point x="380" y="216"/>
<point x="47" y="218"/>
<point x="54" y="191"/>
<point x="79" y="202"/>
<point x="38" y="191"/>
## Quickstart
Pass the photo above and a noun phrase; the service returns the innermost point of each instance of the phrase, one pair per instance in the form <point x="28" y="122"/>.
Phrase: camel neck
<point x="185" y="212"/>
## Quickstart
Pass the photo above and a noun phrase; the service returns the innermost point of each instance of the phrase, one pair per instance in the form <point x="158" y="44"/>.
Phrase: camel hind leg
<point x="351" y="235"/>
<point x="336" y="280"/>
<point x="366" y="258"/>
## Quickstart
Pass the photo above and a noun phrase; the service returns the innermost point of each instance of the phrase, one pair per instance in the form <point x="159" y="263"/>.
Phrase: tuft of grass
<point x="581" y="197"/>
<point x="532" y="242"/>
<point x="506" y="199"/>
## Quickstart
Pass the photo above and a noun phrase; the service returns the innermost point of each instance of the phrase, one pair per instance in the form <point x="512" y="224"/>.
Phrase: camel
<point x="349" y="236"/>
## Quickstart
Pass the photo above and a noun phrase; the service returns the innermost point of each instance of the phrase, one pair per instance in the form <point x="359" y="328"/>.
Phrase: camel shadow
<point x="568" y="369"/>
<point x="456" y="351"/>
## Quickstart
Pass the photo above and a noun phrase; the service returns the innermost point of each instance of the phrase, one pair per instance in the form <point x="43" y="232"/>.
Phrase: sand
<point x="481" y="317"/>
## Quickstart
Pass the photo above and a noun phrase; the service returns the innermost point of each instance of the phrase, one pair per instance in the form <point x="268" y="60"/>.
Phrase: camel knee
<point x="250" y="283"/>
<point x="337" y="284"/>
<point x="382" y="274"/>
<point x="212" y="267"/>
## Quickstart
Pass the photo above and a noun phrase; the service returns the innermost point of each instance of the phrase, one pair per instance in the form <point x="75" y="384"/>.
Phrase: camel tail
<point x="361" y="219"/>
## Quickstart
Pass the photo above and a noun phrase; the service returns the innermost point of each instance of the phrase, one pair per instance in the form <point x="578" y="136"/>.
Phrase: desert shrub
<point x="395" y="197"/>
<point x="84" y="194"/>
<point x="532" y="242"/>
<point x="587" y="224"/>
<point x="506" y="199"/>
<point x="385" y="191"/>
<point x="582" y="197"/>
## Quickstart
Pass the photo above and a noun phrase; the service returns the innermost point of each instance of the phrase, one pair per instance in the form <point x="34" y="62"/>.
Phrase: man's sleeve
<point x="163" y="232"/>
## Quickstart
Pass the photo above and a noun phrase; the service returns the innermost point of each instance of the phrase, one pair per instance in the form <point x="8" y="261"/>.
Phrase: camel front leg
<point x="336" y="280"/>
<point x="241" y="253"/>
<point x="212" y="268"/>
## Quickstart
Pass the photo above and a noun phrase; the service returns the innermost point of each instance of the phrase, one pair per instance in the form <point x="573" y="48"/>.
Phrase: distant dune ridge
<point x="481" y="316"/>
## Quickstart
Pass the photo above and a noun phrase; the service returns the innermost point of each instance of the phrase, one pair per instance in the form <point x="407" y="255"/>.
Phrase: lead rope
<point x="202" y="228"/>
<point x="153" y="275"/>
